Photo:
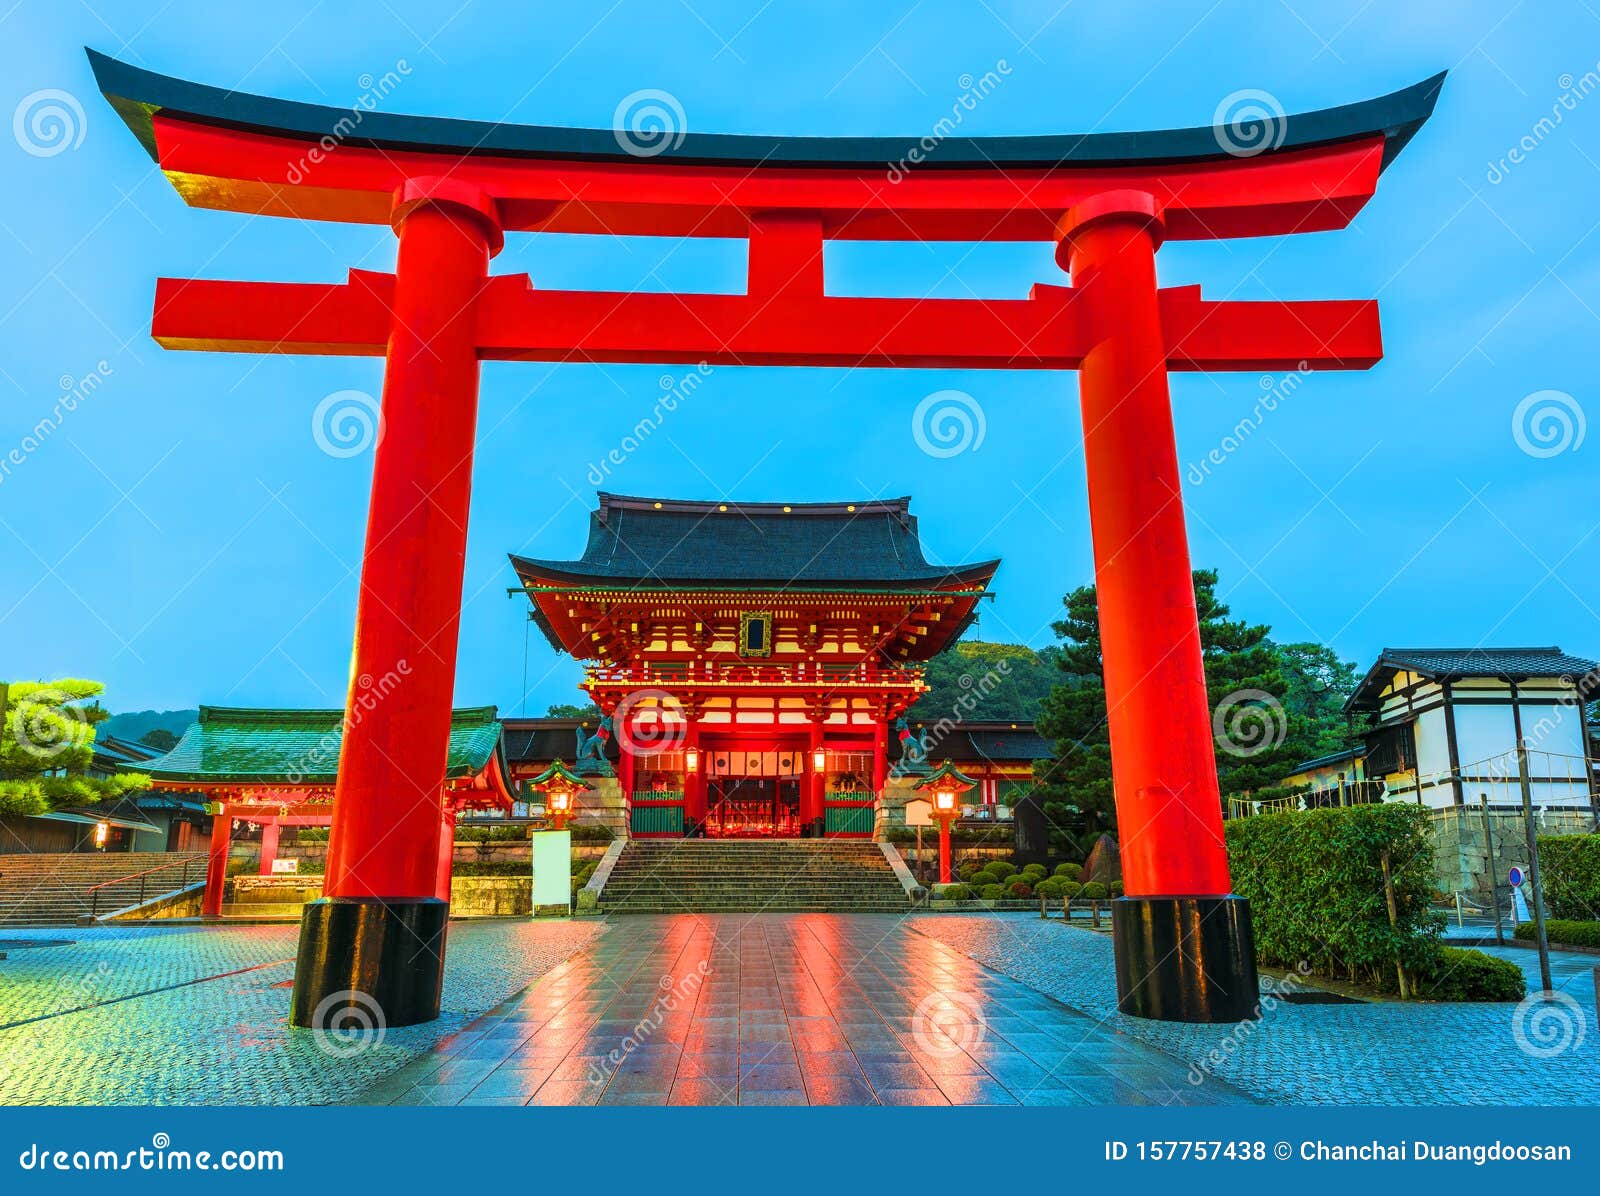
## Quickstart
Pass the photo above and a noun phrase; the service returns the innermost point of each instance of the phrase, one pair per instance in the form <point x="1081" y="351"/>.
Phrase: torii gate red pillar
<point x="379" y="928"/>
<point x="1183" y="942"/>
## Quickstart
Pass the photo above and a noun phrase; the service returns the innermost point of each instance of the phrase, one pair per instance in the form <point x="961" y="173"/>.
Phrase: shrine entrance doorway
<point x="753" y="790"/>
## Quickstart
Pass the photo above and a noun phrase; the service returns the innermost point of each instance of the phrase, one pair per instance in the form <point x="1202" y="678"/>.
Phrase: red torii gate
<point x="452" y="189"/>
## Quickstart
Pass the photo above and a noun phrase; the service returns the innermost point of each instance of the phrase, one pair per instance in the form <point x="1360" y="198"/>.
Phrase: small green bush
<point x="968" y="870"/>
<point x="1035" y="872"/>
<point x="1465" y="974"/>
<point x="991" y="892"/>
<point x="956" y="893"/>
<point x="1000" y="868"/>
<point x="1070" y="871"/>
<point x="1564" y="930"/>
<point x="1569" y="872"/>
<point x="1050" y="886"/>
<point x="1070" y="889"/>
<point x="1093" y="891"/>
<point x="1115" y="888"/>
<point x="1019" y="888"/>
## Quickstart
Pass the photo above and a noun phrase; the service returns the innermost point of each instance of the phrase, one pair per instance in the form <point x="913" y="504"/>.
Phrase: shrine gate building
<point x="752" y="660"/>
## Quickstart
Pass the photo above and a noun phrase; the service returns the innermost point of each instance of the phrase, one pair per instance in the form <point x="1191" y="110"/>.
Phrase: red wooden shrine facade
<point x="751" y="658"/>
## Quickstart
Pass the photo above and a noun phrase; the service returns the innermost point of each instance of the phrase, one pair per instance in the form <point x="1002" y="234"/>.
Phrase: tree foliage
<point x="977" y="681"/>
<point x="48" y="746"/>
<point x="1274" y="705"/>
<point x="568" y="710"/>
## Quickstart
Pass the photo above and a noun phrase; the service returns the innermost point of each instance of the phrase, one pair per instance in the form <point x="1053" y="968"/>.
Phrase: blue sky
<point x="182" y="537"/>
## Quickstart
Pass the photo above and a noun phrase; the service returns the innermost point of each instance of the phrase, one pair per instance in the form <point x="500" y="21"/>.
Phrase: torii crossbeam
<point x="453" y="189"/>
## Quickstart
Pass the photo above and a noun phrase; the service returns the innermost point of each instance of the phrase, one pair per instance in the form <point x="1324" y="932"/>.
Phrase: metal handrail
<point x="183" y="882"/>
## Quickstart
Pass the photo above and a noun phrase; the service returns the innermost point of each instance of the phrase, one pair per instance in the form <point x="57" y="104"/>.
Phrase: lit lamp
<point x="691" y="759"/>
<point x="946" y="784"/>
<point x="102" y="832"/>
<point x="560" y="786"/>
<point x="819" y="759"/>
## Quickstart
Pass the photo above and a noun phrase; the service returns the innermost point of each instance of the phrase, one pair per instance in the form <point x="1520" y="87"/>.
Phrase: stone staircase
<point x="750" y="876"/>
<point x="50" y="889"/>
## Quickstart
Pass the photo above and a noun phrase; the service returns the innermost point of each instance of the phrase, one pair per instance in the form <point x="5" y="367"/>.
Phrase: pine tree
<point x="48" y="746"/>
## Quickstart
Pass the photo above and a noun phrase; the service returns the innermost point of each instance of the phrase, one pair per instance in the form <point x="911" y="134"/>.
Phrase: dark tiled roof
<point x="646" y="542"/>
<point x="998" y="743"/>
<point x="1448" y="663"/>
<point x="299" y="746"/>
<point x="1330" y="758"/>
<point x="546" y="739"/>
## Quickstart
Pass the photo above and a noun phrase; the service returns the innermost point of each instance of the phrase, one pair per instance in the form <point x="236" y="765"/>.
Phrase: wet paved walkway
<point x="787" y="1010"/>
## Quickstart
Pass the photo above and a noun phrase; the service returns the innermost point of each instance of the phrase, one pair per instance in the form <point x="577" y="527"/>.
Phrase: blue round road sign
<point x="1515" y="877"/>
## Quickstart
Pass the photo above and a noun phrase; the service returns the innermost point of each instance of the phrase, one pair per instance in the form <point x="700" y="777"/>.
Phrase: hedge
<point x="1562" y="930"/>
<point x="1464" y="974"/>
<point x="1569" y="874"/>
<point x="955" y="893"/>
<point x="1314" y="880"/>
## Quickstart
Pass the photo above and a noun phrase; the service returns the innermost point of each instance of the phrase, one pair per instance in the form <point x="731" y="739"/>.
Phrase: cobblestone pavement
<point x="1385" y="1053"/>
<point x="199" y="1014"/>
<point x="778" y="1009"/>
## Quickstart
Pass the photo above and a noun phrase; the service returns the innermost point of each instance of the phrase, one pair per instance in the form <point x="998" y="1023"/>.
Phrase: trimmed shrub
<point x="1035" y="872"/>
<point x="1070" y="871"/>
<point x="1000" y="868"/>
<point x="955" y="893"/>
<point x="1561" y="930"/>
<point x="1050" y="886"/>
<point x="1019" y="888"/>
<point x="1465" y="974"/>
<point x="1314" y="880"/>
<point x="991" y="892"/>
<point x="1569" y="873"/>
<point x="968" y="870"/>
<point x="1093" y="891"/>
<point x="1070" y="888"/>
<point x="1115" y="888"/>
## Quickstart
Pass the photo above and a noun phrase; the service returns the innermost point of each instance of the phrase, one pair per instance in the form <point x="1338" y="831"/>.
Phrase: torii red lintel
<point x="452" y="189"/>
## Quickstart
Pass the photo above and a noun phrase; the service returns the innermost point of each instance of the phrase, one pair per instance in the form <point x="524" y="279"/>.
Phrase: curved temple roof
<point x="138" y="95"/>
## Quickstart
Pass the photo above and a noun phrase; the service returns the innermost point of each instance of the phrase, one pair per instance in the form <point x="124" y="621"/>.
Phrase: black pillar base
<point x="1185" y="959"/>
<point x="360" y="952"/>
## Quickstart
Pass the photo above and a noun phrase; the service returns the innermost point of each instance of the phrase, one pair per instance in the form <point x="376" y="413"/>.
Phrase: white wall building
<point x="1449" y="719"/>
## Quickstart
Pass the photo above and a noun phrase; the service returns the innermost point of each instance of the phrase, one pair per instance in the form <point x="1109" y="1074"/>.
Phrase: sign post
<point x="552" y="870"/>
